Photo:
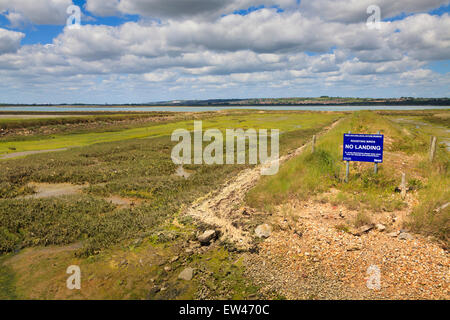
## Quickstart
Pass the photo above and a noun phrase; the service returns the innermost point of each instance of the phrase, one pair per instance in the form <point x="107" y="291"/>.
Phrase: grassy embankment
<point x="133" y="168"/>
<point x="310" y="175"/>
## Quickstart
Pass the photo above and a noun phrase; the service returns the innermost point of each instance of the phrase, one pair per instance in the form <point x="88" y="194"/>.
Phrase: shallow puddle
<point x="47" y="190"/>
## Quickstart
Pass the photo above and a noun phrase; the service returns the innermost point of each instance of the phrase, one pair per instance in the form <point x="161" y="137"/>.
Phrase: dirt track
<point x="219" y="207"/>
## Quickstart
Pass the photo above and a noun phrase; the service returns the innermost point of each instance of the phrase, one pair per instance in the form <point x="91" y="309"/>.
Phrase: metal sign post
<point x="375" y="169"/>
<point x="347" y="171"/>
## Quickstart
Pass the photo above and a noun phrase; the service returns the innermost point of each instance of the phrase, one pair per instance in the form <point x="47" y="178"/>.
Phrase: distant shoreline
<point x="264" y="102"/>
<point x="224" y="105"/>
<point x="92" y="110"/>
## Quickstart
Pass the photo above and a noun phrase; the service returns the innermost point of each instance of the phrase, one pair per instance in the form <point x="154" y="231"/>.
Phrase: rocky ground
<point x="307" y="255"/>
<point x="303" y="252"/>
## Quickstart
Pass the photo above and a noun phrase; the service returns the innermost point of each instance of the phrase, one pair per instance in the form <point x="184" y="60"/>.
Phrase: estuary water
<point x="212" y="108"/>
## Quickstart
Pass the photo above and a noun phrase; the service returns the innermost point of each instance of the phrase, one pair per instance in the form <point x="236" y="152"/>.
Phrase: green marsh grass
<point x="283" y="122"/>
<point x="137" y="165"/>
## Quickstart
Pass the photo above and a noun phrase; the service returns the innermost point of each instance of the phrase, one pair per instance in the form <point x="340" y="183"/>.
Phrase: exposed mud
<point x="27" y="153"/>
<point x="31" y="253"/>
<point x="123" y="202"/>
<point x="47" y="190"/>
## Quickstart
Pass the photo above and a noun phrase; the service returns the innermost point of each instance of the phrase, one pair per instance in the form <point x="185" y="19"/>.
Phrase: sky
<point x="138" y="51"/>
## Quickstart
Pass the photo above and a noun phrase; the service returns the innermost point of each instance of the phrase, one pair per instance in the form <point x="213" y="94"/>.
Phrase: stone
<point x="394" y="234"/>
<point x="362" y="230"/>
<point x="187" y="274"/>
<point x="405" y="236"/>
<point x="354" y="248"/>
<point x="380" y="227"/>
<point x="263" y="231"/>
<point x="365" y="228"/>
<point x="167" y="268"/>
<point x="206" y="237"/>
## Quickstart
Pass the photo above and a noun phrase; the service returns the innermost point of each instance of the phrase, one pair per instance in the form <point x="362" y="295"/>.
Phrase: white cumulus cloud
<point x="10" y="41"/>
<point x="37" y="12"/>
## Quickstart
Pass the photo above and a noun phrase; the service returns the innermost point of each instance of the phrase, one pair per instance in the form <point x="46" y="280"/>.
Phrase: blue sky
<point x="139" y="52"/>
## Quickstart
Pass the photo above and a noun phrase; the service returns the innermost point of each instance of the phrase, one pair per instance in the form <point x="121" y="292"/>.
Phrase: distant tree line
<point x="322" y="101"/>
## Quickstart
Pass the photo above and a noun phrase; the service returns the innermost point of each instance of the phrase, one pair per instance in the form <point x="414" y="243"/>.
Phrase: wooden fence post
<point x="314" y="143"/>
<point x="403" y="186"/>
<point x="433" y="148"/>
